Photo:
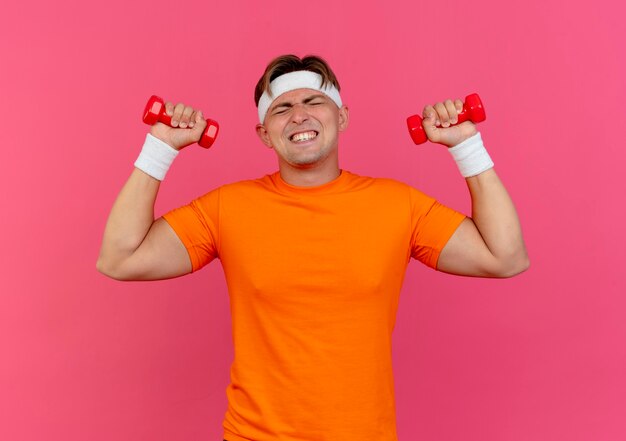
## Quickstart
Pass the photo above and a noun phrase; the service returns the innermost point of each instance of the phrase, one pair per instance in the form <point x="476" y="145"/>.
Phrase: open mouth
<point x="303" y="136"/>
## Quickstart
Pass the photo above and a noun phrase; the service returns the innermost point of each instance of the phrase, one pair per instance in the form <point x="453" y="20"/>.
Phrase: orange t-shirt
<point x="314" y="277"/>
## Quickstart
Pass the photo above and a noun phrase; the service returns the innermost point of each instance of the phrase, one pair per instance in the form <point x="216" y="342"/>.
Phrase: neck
<point x="309" y="176"/>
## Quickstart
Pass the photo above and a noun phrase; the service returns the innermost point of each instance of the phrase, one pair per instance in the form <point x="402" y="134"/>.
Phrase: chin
<point x="302" y="158"/>
<point x="305" y="164"/>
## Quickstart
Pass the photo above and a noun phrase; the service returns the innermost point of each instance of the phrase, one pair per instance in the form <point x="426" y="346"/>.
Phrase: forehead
<point x="295" y="96"/>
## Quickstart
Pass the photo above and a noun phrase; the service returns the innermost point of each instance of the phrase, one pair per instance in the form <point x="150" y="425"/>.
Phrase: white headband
<point x="301" y="79"/>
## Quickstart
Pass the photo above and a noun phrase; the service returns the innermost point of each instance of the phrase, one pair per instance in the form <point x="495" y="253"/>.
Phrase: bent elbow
<point x="101" y="267"/>
<point x="513" y="267"/>
<point x="108" y="270"/>
<point x="523" y="263"/>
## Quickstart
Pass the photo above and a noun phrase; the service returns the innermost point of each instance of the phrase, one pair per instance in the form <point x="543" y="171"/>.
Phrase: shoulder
<point x="381" y="184"/>
<point x="242" y="186"/>
<point x="393" y="192"/>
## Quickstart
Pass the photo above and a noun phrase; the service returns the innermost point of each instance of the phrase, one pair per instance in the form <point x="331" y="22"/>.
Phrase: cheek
<point x="330" y="119"/>
<point x="330" y="127"/>
<point x="274" y="132"/>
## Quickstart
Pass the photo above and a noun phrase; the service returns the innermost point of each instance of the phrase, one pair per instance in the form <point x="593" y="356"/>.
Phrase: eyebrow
<point x="305" y="101"/>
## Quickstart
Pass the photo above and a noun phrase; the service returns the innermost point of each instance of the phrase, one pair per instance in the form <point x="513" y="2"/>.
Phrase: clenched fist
<point x="437" y="121"/>
<point x="187" y="126"/>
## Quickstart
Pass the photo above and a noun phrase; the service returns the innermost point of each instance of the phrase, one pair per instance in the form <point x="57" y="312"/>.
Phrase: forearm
<point x="496" y="219"/>
<point x="130" y="219"/>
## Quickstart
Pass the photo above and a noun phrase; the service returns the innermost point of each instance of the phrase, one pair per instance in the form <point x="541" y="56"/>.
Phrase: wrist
<point x="471" y="156"/>
<point x="473" y="131"/>
<point x="156" y="157"/>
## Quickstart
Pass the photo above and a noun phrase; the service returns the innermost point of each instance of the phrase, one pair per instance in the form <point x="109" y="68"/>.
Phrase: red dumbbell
<point x="473" y="111"/>
<point x="155" y="112"/>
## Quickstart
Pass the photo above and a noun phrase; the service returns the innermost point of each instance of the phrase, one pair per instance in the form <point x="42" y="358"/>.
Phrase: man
<point x="314" y="256"/>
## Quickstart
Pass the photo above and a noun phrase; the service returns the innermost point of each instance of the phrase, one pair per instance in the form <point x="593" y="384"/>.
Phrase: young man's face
<point x="302" y="126"/>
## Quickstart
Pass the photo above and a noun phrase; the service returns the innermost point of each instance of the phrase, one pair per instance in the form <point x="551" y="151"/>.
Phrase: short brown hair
<point x="291" y="63"/>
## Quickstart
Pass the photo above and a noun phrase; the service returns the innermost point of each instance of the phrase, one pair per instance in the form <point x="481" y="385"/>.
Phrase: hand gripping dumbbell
<point x="473" y="111"/>
<point x="155" y="112"/>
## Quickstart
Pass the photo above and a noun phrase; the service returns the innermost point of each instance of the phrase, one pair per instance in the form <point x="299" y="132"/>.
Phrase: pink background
<point x="538" y="357"/>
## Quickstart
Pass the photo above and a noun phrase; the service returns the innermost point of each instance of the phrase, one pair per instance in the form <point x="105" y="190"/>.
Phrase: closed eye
<point x="312" y="100"/>
<point x="281" y="109"/>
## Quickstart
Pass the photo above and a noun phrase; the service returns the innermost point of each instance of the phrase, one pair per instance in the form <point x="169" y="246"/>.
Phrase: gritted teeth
<point x="303" y="136"/>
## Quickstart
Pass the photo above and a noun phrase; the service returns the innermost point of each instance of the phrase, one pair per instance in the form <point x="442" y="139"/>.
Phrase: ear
<point x="344" y="118"/>
<point x="263" y="135"/>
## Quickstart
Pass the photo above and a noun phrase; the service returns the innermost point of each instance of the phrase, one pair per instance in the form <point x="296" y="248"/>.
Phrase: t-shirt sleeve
<point x="197" y="226"/>
<point x="432" y="225"/>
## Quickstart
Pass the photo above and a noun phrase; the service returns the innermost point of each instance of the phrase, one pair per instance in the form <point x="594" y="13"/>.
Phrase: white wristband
<point x="471" y="156"/>
<point x="156" y="157"/>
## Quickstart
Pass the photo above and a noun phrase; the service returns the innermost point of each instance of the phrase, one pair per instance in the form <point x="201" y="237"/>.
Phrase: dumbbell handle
<point x="473" y="110"/>
<point x="155" y="112"/>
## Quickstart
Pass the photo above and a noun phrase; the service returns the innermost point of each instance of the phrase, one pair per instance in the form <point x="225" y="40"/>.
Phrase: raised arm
<point x="490" y="243"/>
<point x="135" y="246"/>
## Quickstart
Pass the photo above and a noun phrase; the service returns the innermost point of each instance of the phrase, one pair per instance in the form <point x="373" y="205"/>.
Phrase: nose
<point x="299" y="113"/>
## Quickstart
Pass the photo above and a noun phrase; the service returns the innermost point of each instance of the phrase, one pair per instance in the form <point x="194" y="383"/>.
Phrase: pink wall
<point x="538" y="357"/>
